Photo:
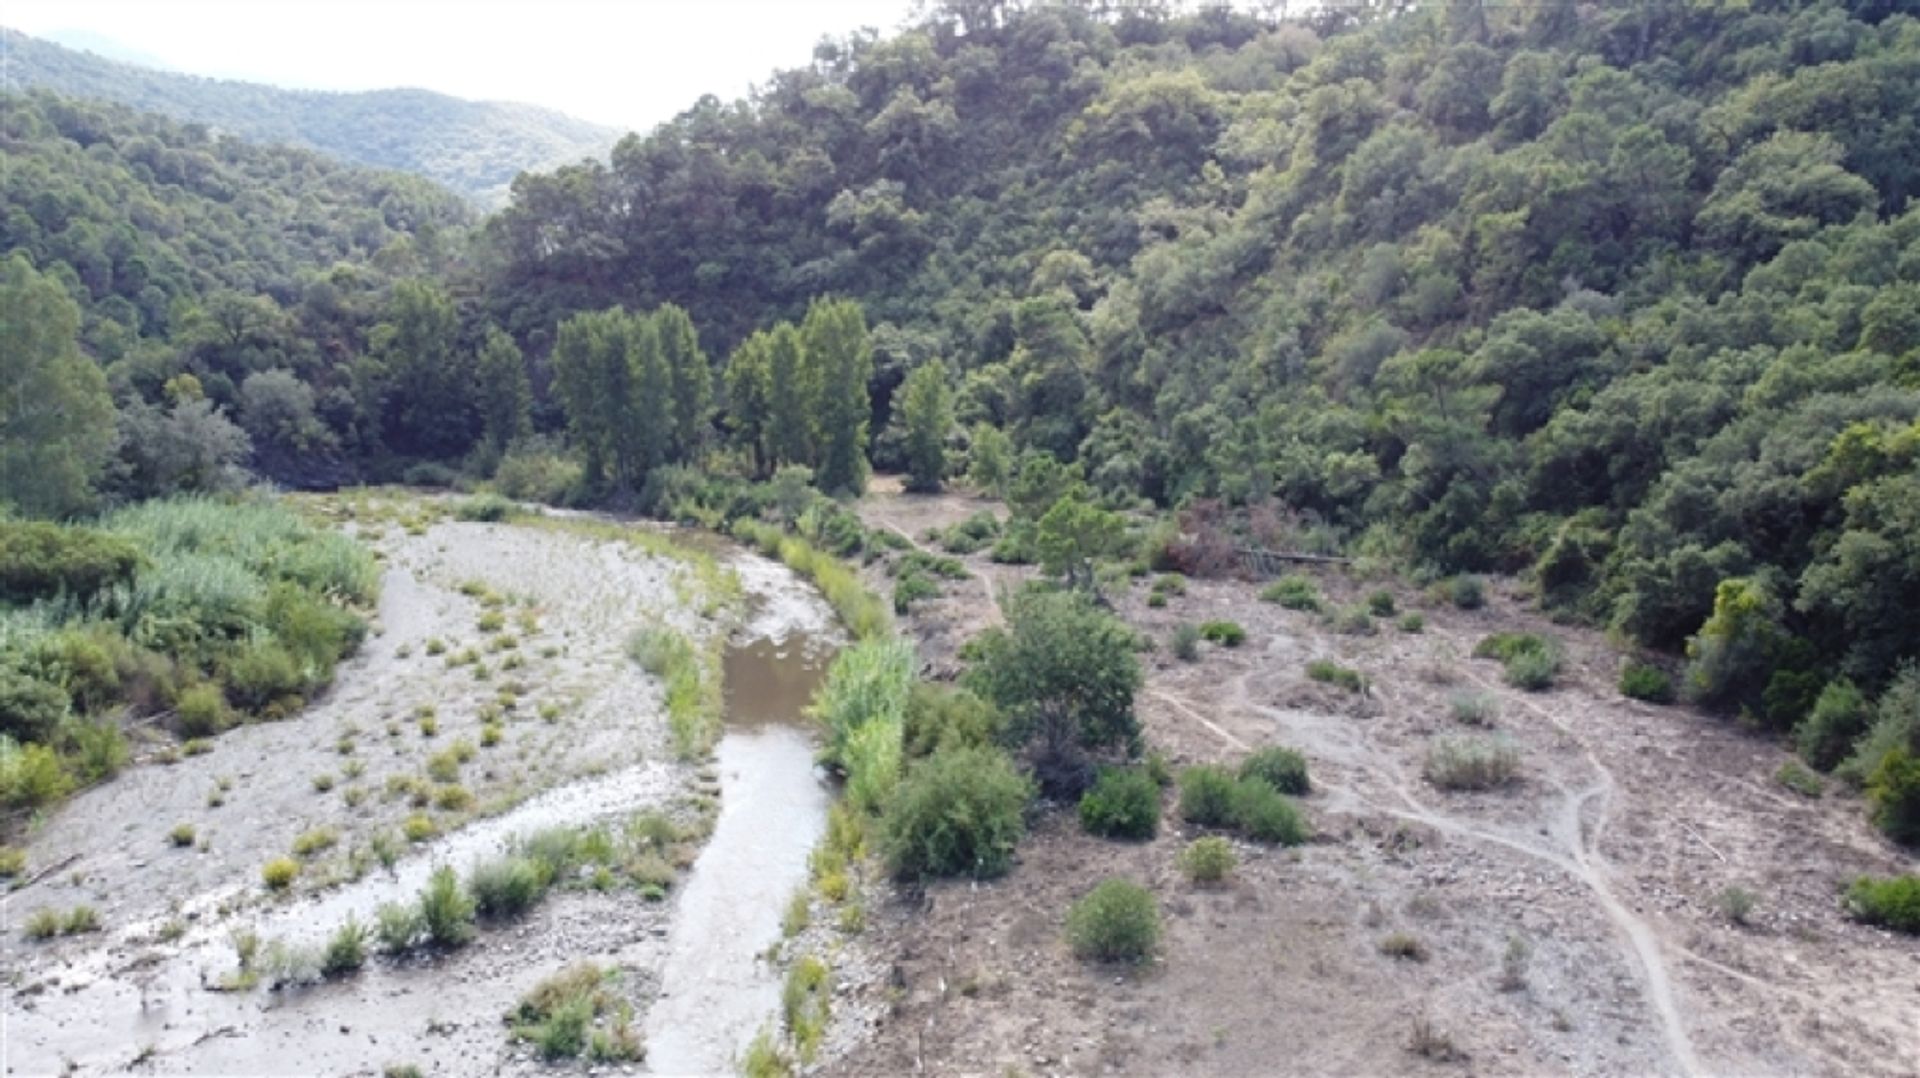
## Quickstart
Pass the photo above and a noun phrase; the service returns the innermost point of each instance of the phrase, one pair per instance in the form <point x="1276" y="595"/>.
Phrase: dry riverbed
<point x="494" y="697"/>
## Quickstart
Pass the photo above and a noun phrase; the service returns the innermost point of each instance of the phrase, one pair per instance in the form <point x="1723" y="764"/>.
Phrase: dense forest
<point x="474" y="147"/>
<point x="1623" y="299"/>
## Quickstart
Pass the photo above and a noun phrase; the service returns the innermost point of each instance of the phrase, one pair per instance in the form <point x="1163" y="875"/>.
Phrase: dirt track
<point x="1606" y="861"/>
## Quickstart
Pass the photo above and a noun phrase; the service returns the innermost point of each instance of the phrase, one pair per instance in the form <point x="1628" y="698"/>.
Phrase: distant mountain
<point x="473" y="147"/>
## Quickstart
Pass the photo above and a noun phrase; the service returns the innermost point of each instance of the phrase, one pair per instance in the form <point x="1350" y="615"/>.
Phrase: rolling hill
<point x="473" y="147"/>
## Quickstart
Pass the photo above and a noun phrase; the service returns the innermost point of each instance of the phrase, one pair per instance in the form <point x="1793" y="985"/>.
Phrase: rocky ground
<point x="1572" y="923"/>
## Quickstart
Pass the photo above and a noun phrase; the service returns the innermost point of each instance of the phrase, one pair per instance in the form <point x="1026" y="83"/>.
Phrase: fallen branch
<point x="44" y="873"/>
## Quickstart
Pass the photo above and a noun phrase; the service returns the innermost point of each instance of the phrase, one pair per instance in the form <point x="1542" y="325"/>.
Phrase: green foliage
<point x="1282" y="768"/>
<point x="1227" y="634"/>
<point x="1466" y="592"/>
<point x="575" y="1012"/>
<point x="806" y="1004"/>
<point x="487" y="509"/>
<point x="1839" y="717"/>
<point x="1893" y="793"/>
<point x="346" y="949"/>
<point x="31" y="775"/>
<point x="1293" y="592"/>
<point x="1208" y="859"/>
<point x="940" y="716"/>
<point x="1893" y="902"/>
<point x="1117" y="921"/>
<point x="39" y="560"/>
<point x="1380" y="604"/>
<point x="959" y="812"/>
<point x="926" y="413"/>
<point x="506" y="887"/>
<point x="56" y="417"/>
<point x="868" y="683"/>
<point x="1532" y="661"/>
<point x="1795" y="776"/>
<point x="446" y="910"/>
<point x="1332" y="673"/>
<point x="278" y="874"/>
<point x="1206" y="795"/>
<point x="1264" y="814"/>
<point x="990" y="460"/>
<point x="1064" y="674"/>
<point x="1644" y="681"/>
<point x="1472" y="763"/>
<point x="911" y="587"/>
<point x="1072" y="535"/>
<point x="1121" y="803"/>
<point x="1186" y="643"/>
<point x="691" y="685"/>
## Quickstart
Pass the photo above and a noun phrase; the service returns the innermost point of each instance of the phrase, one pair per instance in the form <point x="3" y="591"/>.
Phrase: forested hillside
<point x="474" y="147"/>
<point x="211" y="281"/>
<point x="1624" y="296"/>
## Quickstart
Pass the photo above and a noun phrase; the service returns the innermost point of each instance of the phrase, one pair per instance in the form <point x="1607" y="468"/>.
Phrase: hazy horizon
<point x="624" y="65"/>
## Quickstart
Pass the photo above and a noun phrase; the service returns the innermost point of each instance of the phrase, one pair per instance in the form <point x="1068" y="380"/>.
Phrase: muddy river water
<point x="693" y="964"/>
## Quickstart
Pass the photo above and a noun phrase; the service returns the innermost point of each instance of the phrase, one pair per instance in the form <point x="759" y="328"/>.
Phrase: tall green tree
<point x="792" y="390"/>
<point x="836" y="345"/>
<point x="749" y="397"/>
<point x="926" y="411"/>
<point x="506" y="397"/>
<point x="692" y="380"/>
<point x="428" y="407"/>
<point x="56" y="417"/>
<point x="594" y="381"/>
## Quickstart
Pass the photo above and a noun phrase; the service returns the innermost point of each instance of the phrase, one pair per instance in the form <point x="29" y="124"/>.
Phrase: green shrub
<point x="910" y="588"/>
<point x="1156" y="599"/>
<point x="1117" y="921"/>
<point x="278" y="874"/>
<point x="31" y="775"/>
<point x="263" y="672"/>
<point x="1208" y="859"/>
<point x="446" y="911"/>
<point x="30" y="708"/>
<point x="1736" y="904"/>
<point x="1333" y="673"/>
<point x="1644" y="681"/>
<point x="873" y="761"/>
<point x="1264" y="814"/>
<point x="1893" y="902"/>
<point x="1532" y="661"/>
<point x="487" y="508"/>
<point x="1413" y="623"/>
<point x="805" y="1004"/>
<point x="763" y="1058"/>
<point x="397" y="927"/>
<point x="1893" y="792"/>
<point x="1380" y="604"/>
<point x="506" y="887"/>
<point x="1122" y="803"/>
<point x="559" y="1018"/>
<point x="1795" y="776"/>
<point x="959" y="812"/>
<point x="1206" y="795"/>
<point x="308" y="843"/>
<point x="43" y="924"/>
<point x="1293" y="592"/>
<point x="201" y="710"/>
<point x="940" y="716"/>
<point x="346" y="949"/>
<point x="182" y="835"/>
<point x="1837" y="720"/>
<point x="1466" y="592"/>
<point x="1404" y="945"/>
<point x="1475" y="708"/>
<point x="39" y="560"/>
<point x="1353" y="621"/>
<point x="1186" y="643"/>
<point x="1227" y="634"/>
<point x="1282" y="768"/>
<point x="13" y="862"/>
<point x="1472" y="763"/>
<point x="96" y="750"/>
<point x="867" y="683"/>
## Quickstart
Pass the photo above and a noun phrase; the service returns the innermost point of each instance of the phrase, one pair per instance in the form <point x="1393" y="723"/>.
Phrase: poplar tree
<point x="837" y="350"/>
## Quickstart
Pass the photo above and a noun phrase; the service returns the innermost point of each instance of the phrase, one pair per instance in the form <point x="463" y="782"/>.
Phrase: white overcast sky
<point x="628" y="64"/>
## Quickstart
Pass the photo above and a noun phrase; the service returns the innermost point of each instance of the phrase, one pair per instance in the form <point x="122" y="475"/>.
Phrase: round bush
<point x="1208" y="860"/>
<point x="1123" y="803"/>
<point x="1206" y="796"/>
<point x="1265" y="815"/>
<point x="1284" y="769"/>
<point x="1894" y="792"/>
<point x="1893" y="902"/>
<point x="278" y="873"/>
<point x="959" y="812"/>
<point x="1839" y="717"/>
<point x="30" y="709"/>
<point x="1641" y="681"/>
<point x="507" y="887"/>
<point x="1116" y="922"/>
<point x="1227" y="634"/>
